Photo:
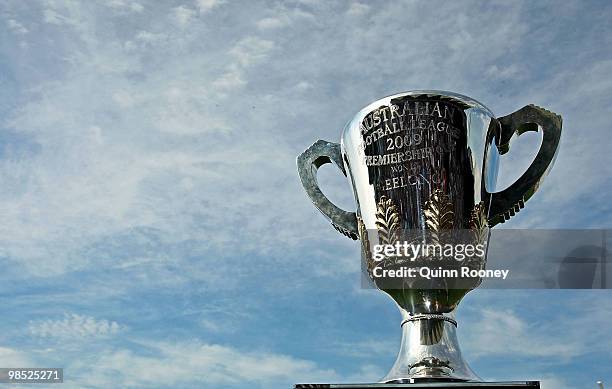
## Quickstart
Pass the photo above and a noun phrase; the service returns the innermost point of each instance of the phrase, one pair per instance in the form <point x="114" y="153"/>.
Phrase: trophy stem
<point x="429" y="351"/>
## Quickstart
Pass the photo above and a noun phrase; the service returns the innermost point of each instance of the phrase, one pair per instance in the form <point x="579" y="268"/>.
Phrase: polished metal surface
<point x="429" y="349"/>
<point x="426" y="162"/>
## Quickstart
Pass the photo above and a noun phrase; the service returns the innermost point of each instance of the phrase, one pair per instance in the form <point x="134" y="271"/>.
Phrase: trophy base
<point x="423" y="385"/>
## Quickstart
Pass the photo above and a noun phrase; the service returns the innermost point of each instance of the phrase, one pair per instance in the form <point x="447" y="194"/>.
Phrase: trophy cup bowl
<point x="423" y="167"/>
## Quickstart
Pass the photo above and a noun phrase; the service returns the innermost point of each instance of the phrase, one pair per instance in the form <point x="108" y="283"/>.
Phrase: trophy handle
<point x="506" y="203"/>
<point x="317" y="155"/>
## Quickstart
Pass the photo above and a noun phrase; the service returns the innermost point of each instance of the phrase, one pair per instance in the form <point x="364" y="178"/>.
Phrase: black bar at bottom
<point x="423" y="385"/>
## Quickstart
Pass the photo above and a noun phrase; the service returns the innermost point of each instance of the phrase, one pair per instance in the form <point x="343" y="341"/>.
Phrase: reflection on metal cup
<point x="423" y="168"/>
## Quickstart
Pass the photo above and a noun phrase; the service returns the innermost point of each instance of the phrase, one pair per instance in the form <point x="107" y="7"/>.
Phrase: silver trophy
<point x="423" y="165"/>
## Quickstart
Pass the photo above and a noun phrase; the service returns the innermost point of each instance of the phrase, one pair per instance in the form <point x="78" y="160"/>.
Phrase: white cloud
<point x="124" y="99"/>
<point x="53" y="17"/>
<point x="213" y="326"/>
<point x="63" y="13"/>
<point x="172" y="364"/>
<point x="74" y="327"/>
<point x="356" y="9"/>
<point x="183" y="15"/>
<point x="230" y="80"/>
<point x="369" y="349"/>
<point x="282" y="16"/>
<point x="303" y="86"/>
<point x="247" y="52"/>
<point x="16" y="27"/>
<point x="13" y="358"/>
<point x="271" y="23"/>
<point x="187" y="111"/>
<point x="207" y="5"/>
<point x="502" y="332"/>
<point x="554" y="383"/>
<point x="123" y="5"/>
<point x="251" y="50"/>
<point x="150" y="37"/>
<point x="503" y="72"/>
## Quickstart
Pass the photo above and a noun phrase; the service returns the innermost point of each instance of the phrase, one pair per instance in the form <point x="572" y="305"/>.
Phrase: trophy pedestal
<point x="424" y="385"/>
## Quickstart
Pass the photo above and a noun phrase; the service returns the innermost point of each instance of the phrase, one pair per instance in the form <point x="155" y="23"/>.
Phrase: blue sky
<point x="154" y="232"/>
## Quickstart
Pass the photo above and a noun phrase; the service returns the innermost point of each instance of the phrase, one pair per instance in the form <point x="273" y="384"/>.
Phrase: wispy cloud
<point x="14" y="358"/>
<point x="170" y="364"/>
<point x="125" y="6"/>
<point x="183" y="15"/>
<point x="357" y="8"/>
<point x="207" y="5"/>
<point x="370" y="348"/>
<point x="16" y="27"/>
<point x="503" y="333"/>
<point x="75" y="327"/>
